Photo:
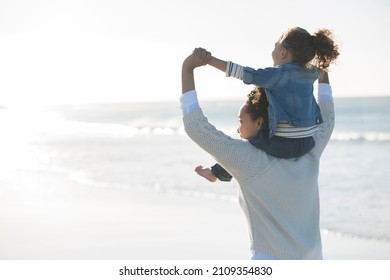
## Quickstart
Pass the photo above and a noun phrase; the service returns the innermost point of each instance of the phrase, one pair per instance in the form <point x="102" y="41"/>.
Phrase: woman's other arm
<point x="325" y="101"/>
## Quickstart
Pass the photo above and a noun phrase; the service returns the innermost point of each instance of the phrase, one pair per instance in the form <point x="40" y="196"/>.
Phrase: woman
<point x="279" y="197"/>
<point x="253" y="117"/>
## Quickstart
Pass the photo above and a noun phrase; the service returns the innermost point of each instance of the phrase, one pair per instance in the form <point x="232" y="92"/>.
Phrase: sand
<point x="42" y="219"/>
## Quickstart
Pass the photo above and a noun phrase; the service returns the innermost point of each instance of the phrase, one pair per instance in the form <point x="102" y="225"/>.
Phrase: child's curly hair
<point x="319" y="49"/>
<point x="257" y="104"/>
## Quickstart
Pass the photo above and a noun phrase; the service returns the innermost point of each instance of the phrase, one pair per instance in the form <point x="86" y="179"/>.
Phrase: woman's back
<point x="278" y="197"/>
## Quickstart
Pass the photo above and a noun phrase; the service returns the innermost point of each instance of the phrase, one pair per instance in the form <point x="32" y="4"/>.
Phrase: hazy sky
<point x="77" y="51"/>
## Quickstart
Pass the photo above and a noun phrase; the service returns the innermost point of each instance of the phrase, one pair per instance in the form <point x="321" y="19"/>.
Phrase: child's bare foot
<point x="206" y="173"/>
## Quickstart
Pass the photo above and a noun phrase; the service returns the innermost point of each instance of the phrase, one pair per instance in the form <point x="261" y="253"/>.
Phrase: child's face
<point x="248" y="127"/>
<point x="278" y="54"/>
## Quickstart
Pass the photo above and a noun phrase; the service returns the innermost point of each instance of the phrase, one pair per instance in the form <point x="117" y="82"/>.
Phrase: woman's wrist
<point x="188" y="102"/>
<point x="324" y="92"/>
<point x="323" y="77"/>
<point x="187" y="76"/>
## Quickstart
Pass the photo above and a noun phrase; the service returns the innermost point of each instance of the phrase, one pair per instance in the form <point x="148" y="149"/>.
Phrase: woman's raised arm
<point x="199" y="57"/>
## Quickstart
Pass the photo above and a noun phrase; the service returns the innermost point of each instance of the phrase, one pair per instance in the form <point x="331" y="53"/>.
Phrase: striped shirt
<point x="283" y="129"/>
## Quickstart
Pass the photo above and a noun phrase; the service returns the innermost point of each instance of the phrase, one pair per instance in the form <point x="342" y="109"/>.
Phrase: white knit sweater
<point x="279" y="197"/>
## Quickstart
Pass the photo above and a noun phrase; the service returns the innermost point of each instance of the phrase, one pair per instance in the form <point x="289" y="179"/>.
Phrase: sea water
<point x="143" y="146"/>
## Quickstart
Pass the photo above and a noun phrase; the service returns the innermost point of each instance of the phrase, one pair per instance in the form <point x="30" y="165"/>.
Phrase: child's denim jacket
<point x="289" y="90"/>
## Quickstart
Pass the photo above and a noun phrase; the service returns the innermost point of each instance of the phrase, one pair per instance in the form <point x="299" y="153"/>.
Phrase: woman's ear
<point x="260" y="121"/>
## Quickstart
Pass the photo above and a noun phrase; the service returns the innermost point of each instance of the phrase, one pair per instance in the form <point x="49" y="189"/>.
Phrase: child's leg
<point x="216" y="172"/>
<point x="206" y="173"/>
<point x="290" y="147"/>
<point x="282" y="147"/>
<point x="221" y="173"/>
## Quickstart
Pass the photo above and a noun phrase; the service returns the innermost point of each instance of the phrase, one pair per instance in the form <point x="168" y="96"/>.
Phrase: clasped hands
<point x="199" y="57"/>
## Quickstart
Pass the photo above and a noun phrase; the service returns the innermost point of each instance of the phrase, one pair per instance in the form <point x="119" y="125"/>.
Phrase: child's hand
<point x="203" y="55"/>
<point x="199" y="57"/>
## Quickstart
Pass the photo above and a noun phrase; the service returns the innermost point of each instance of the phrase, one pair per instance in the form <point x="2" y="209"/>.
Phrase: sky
<point x="89" y="51"/>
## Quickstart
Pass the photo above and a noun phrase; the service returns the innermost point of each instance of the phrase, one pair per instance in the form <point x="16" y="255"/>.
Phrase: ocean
<point x="143" y="146"/>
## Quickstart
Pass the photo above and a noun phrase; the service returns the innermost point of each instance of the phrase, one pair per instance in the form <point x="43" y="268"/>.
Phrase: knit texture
<point x="279" y="197"/>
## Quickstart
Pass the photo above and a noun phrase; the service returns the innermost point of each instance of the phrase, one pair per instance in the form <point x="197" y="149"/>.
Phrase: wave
<point x="361" y="136"/>
<point x="325" y="231"/>
<point x="167" y="127"/>
<point x="125" y="131"/>
<point x="346" y="136"/>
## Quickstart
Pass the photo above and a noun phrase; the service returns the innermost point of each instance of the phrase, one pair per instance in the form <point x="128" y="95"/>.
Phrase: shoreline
<point x="43" y="218"/>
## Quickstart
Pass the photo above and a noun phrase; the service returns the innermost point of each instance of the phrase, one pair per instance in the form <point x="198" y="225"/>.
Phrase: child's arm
<point x="261" y="77"/>
<point x="229" y="68"/>
<point x="218" y="63"/>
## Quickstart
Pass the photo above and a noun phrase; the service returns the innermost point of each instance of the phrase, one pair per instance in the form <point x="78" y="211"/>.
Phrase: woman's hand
<point x="199" y="57"/>
<point x="323" y="77"/>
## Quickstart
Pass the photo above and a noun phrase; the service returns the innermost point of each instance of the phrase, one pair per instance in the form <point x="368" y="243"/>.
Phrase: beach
<point x="79" y="223"/>
<point x="117" y="181"/>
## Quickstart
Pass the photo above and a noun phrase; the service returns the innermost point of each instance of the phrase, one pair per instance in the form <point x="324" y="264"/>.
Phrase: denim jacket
<point x="289" y="90"/>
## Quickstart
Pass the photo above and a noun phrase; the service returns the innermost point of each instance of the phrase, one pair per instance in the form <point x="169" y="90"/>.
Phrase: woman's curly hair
<point x="257" y="104"/>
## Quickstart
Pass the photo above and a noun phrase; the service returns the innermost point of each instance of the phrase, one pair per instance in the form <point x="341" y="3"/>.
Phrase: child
<point x="293" y="111"/>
